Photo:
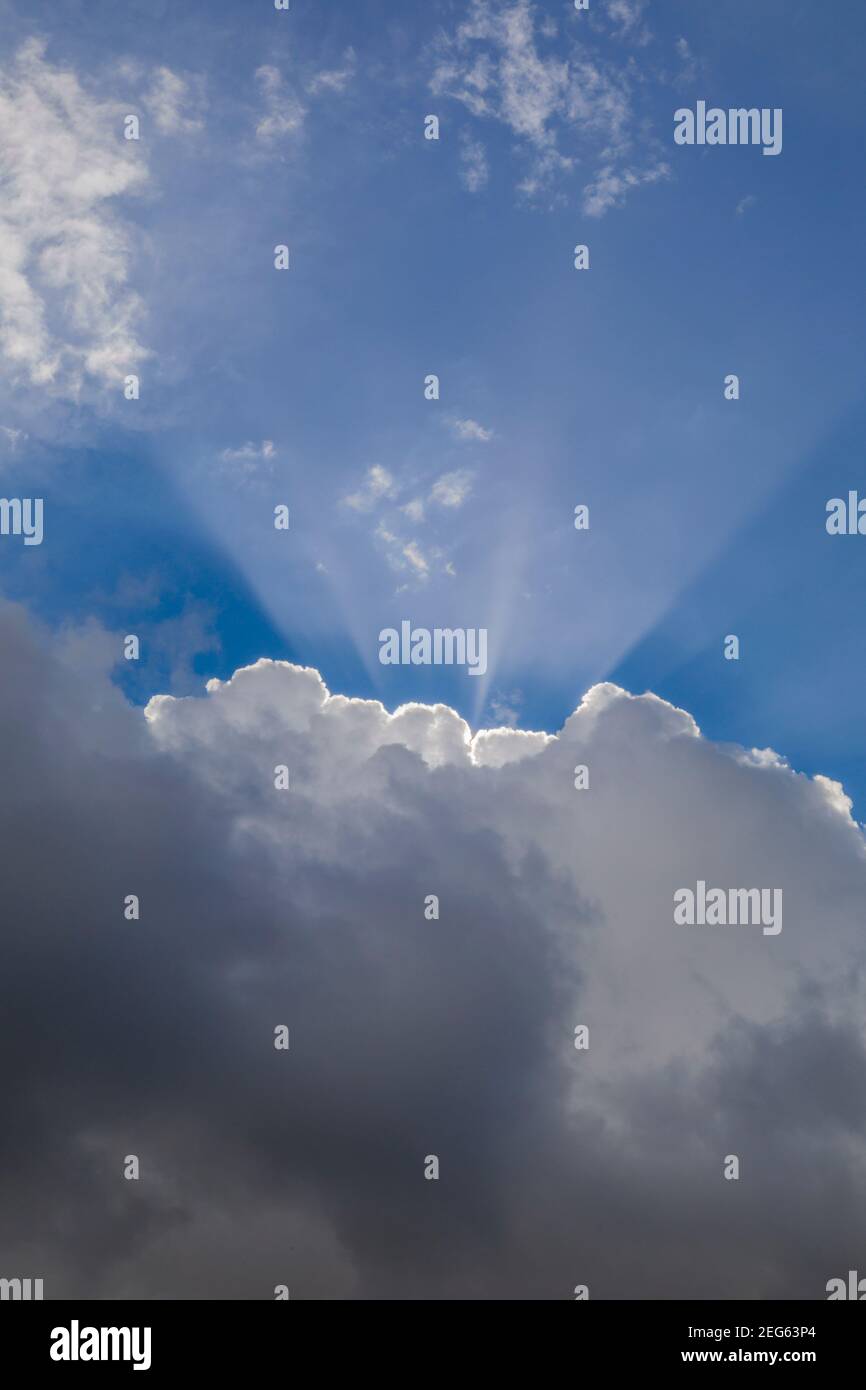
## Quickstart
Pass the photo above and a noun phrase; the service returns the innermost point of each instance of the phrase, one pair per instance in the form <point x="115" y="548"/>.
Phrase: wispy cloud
<point x="470" y="430"/>
<point x="452" y="489"/>
<point x="249" y="459"/>
<point x="474" y="172"/>
<point x="174" y="102"/>
<point x="249" y="451"/>
<point x="284" y="113"/>
<point x="12" y="437"/>
<point x="626" y="16"/>
<point x="380" y="496"/>
<point x="565" y="105"/>
<point x="688" y="63"/>
<point x="378" y="484"/>
<point x="610" y="188"/>
<point x="414" y="509"/>
<point x="337" y="79"/>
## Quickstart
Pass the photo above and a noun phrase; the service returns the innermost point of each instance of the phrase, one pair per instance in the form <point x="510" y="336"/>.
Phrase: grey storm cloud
<point x="411" y="1037"/>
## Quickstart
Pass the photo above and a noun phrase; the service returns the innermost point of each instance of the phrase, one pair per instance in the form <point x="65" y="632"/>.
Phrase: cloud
<point x="403" y="555"/>
<point x="565" y="106"/>
<point x="689" y="64"/>
<point x="414" y="555"/>
<point x="745" y="203"/>
<point x="168" y="99"/>
<point x="337" y="79"/>
<point x="412" y="1036"/>
<point x="67" y="313"/>
<point x="406" y="555"/>
<point x="377" y="485"/>
<point x="471" y="430"/>
<point x="284" y="113"/>
<point x="474" y="173"/>
<point x="414" y="509"/>
<point x="12" y="437"/>
<point x="625" y="15"/>
<point x="452" y="489"/>
<point x="249" y="457"/>
<point x="610" y="189"/>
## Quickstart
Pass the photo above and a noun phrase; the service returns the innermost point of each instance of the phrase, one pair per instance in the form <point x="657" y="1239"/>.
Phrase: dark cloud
<point x="408" y="1037"/>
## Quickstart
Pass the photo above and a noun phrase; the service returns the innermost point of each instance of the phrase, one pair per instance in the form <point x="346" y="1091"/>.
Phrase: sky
<point x="304" y="388"/>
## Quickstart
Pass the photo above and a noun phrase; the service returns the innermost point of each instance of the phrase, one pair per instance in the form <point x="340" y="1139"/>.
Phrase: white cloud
<point x="471" y="430"/>
<point x="565" y="106"/>
<point x="248" y="460"/>
<point x="745" y="203"/>
<point x="452" y="489"/>
<point x="663" y="801"/>
<point x="610" y="188"/>
<point x="67" y="312"/>
<point x="249" y="452"/>
<point x="414" y="510"/>
<point x="173" y="103"/>
<point x="284" y="113"/>
<point x="377" y="485"/>
<point x="413" y="553"/>
<point x="625" y="16"/>
<point x="474" y="173"/>
<point x="689" y="64"/>
<point x="405" y="554"/>
<point x="12" y="437"/>
<point x="337" y="79"/>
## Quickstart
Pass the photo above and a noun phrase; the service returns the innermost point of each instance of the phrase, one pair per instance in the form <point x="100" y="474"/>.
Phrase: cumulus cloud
<point x="67" y="312"/>
<point x="412" y="1036"/>
<point x="563" y="99"/>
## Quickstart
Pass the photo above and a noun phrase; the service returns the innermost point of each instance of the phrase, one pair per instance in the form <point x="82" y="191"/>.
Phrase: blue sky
<point x="454" y="257"/>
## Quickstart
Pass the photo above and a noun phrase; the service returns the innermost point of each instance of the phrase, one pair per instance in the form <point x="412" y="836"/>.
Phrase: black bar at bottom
<point x="162" y="1338"/>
